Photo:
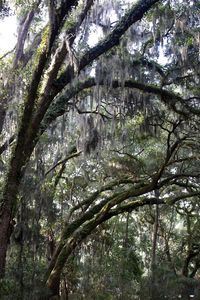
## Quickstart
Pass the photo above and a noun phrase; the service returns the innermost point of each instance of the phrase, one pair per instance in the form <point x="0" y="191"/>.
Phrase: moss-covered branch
<point x="171" y="99"/>
<point x="103" y="215"/>
<point x="110" y="186"/>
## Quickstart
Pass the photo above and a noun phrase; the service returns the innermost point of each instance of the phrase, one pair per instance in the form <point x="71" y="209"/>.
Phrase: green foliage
<point x="7" y="287"/>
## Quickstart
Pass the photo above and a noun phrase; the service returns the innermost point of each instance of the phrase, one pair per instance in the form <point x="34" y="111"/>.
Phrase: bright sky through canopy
<point x="8" y="34"/>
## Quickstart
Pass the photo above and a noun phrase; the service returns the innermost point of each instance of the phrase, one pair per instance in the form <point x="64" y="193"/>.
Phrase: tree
<point x="50" y="75"/>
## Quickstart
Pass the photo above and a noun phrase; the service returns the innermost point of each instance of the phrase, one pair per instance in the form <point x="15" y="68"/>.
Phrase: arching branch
<point x="171" y="99"/>
<point x="82" y="232"/>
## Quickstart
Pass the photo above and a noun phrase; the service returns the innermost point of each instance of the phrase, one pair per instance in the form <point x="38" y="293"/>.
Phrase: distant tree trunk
<point x="125" y="245"/>
<point x="153" y="291"/>
<point x="64" y="290"/>
<point x="22" y="220"/>
<point x="20" y="268"/>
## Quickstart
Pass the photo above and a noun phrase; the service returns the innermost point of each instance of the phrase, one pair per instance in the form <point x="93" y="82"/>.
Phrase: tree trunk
<point x="5" y="232"/>
<point x="8" y="208"/>
<point x="153" y="292"/>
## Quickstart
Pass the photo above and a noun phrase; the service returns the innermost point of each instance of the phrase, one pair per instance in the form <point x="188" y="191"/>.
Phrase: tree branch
<point x="7" y="143"/>
<point x="72" y="155"/>
<point x="60" y="106"/>
<point x="133" y="15"/>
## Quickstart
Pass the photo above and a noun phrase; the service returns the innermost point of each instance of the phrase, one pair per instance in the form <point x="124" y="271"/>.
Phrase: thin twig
<point x="7" y="53"/>
<point x="63" y="161"/>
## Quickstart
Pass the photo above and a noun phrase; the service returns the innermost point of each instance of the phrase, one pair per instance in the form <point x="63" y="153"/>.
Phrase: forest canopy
<point x="99" y="150"/>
